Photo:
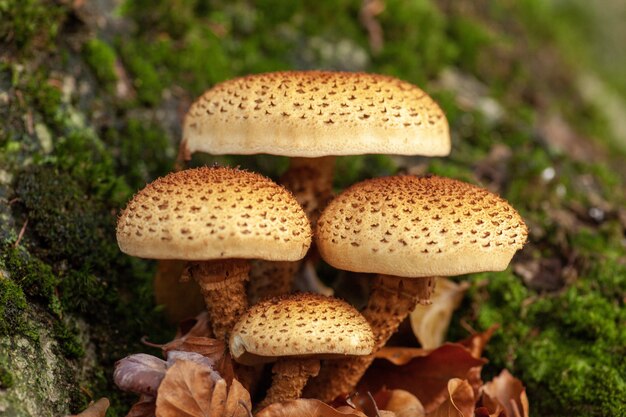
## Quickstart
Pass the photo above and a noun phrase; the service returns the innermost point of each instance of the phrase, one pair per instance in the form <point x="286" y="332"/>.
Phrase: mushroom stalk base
<point x="289" y="378"/>
<point x="391" y="300"/>
<point x="222" y="284"/>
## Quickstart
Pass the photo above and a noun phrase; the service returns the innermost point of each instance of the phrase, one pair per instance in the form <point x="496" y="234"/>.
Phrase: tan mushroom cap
<point x="419" y="227"/>
<point x="316" y="113"/>
<point x="214" y="213"/>
<point x="301" y="325"/>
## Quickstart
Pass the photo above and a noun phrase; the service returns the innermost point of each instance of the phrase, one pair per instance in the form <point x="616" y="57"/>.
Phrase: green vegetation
<point x="101" y="57"/>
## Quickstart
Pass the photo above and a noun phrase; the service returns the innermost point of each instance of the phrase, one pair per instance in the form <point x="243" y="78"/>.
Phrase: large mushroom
<point x="409" y="230"/>
<point x="313" y="116"/>
<point x="296" y="331"/>
<point x="215" y="219"/>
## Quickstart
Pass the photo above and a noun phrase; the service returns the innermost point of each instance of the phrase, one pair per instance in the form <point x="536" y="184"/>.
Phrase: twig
<point x="21" y="234"/>
<point x="144" y="340"/>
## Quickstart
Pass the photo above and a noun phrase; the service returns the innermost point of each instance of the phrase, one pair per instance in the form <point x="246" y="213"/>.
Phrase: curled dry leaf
<point x="401" y="402"/>
<point x="424" y="374"/>
<point x="430" y="323"/>
<point x="140" y="373"/>
<point x="508" y="393"/>
<point x="307" y="408"/>
<point x="192" y="389"/>
<point x="145" y="407"/>
<point x="211" y="349"/>
<point x="459" y="402"/>
<point x="476" y="343"/>
<point x="97" y="409"/>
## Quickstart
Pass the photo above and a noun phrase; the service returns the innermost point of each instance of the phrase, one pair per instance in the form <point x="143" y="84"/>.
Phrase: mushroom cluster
<point x="406" y="230"/>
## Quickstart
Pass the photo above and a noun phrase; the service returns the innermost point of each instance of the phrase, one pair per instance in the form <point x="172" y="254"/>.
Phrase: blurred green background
<point x="92" y="95"/>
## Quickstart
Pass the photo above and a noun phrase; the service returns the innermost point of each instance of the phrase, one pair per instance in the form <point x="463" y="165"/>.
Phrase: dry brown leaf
<point x="401" y="355"/>
<point x="97" y="409"/>
<point x="145" y="407"/>
<point x="476" y="343"/>
<point x="238" y="401"/>
<point x="459" y="403"/>
<point x="386" y="413"/>
<point x="187" y="390"/>
<point x="306" y="408"/>
<point x="430" y="322"/>
<point x="140" y="373"/>
<point x="401" y="402"/>
<point x="198" y="326"/>
<point x="425" y="375"/>
<point x="507" y="392"/>
<point x="213" y="349"/>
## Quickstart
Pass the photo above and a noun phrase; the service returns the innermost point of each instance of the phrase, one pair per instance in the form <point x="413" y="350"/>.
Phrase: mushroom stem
<point x="289" y="378"/>
<point x="391" y="300"/>
<point x="270" y="279"/>
<point x="311" y="182"/>
<point x="222" y="283"/>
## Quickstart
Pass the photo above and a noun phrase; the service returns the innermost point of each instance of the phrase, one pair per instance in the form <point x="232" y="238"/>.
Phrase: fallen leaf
<point x="213" y="350"/>
<point x="97" y="409"/>
<point x="422" y="373"/>
<point x="306" y="408"/>
<point x="476" y="343"/>
<point x="386" y="413"/>
<point x="145" y="407"/>
<point x="459" y="402"/>
<point x="140" y="373"/>
<point x="507" y="392"/>
<point x="401" y="355"/>
<point x="198" y="326"/>
<point x="238" y="401"/>
<point x="186" y="390"/>
<point x="430" y="323"/>
<point x="401" y="402"/>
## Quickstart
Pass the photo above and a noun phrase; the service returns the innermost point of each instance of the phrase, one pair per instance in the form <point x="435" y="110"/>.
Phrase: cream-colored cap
<point x="316" y="113"/>
<point x="214" y="213"/>
<point x="419" y="227"/>
<point x="302" y="325"/>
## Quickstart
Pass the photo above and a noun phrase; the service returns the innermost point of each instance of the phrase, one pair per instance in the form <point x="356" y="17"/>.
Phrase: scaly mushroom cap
<point x="419" y="227"/>
<point x="214" y="213"/>
<point x="302" y="325"/>
<point x="316" y="113"/>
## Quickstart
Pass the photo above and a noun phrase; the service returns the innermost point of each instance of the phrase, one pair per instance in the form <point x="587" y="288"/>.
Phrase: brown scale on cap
<point x="301" y="325"/>
<point x="409" y="230"/>
<point x="214" y="213"/>
<point x="296" y="331"/>
<point x="316" y="113"/>
<point x="419" y="227"/>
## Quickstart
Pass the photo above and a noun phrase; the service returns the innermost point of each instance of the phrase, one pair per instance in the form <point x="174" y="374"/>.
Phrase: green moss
<point x="101" y="57"/>
<point x="33" y="276"/>
<point x="6" y="378"/>
<point x="67" y="336"/>
<point x="12" y="307"/>
<point x="28" y="25"/>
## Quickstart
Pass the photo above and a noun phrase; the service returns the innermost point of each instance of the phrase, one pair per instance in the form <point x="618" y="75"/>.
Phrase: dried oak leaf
<point x="459" y="402"/>
<point x="197" y="326"/>
<point x="401" y="402"/>
<point x="476" y="343"/>
<point x="145" y="407"/>
<point x="192" y="389"/>
<point x="508" y="393"/>
<point x="307" y="408"/>
<point x="430" y="323"/>
<point x="214" y="350"/>
<point x="424" y="374"/>
<point x="97" y="409"/>
<point x="140" y="373"/>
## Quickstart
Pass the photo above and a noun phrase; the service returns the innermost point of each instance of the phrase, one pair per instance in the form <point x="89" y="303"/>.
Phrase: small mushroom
<point x="313" y="116"/>
<point x="296" y="331"/>
<point x="215" y="219"/>
<point x="408" y="230"/>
